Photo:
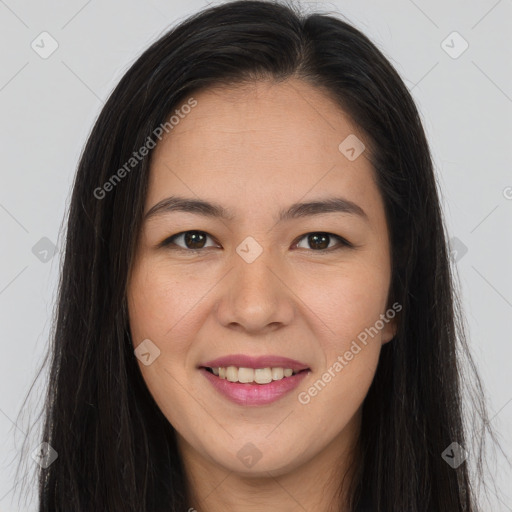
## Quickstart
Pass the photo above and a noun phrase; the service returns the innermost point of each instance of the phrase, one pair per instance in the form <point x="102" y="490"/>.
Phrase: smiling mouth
<point x="253" y="375"/>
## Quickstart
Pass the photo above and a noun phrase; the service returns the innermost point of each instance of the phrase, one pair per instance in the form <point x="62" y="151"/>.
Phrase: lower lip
<point x="254" y="394"/>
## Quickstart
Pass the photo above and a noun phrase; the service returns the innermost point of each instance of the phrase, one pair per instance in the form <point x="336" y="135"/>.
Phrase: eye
<point x="193" y="240"/>
<point x="320" y="241"/>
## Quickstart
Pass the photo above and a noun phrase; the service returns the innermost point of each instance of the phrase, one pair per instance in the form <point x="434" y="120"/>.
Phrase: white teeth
<point x="232" y="373"/>
<point x="277" y="373"/>
<point x="245" y="375"/>
<point x="248" y="375"/>
<point x="263" y="375"/>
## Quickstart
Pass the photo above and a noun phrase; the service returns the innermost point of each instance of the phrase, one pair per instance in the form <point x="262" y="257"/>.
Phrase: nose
<point x="255" y="297"/>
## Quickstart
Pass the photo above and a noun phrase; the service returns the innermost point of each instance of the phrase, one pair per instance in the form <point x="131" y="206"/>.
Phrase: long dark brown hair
<point x="116" y="450"/>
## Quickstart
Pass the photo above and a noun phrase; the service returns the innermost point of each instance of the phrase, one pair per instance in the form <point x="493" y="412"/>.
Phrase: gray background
<point x="48" y="107"/>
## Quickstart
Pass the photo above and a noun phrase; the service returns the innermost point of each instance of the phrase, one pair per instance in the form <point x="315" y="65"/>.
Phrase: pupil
<point x="314" y="240"/>
<point x="195" y="240"/>
<point x="192" y="238"/>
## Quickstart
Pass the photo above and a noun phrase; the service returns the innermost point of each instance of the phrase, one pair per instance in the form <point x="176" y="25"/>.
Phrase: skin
<point x="257" y="149"/>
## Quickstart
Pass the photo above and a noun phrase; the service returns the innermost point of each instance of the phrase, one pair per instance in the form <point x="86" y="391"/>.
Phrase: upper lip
<point x="245" y="361"/>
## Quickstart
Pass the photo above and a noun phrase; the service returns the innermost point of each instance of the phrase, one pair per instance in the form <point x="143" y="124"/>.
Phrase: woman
<point x="256" y="309"/>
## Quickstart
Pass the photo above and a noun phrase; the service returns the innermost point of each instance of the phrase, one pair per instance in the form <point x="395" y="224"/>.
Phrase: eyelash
<point x="168" y="242"/>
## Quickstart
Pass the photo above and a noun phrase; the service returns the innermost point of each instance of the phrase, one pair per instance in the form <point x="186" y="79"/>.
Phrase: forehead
<point x="302" y="120"/>
<point x="258" y="141"/>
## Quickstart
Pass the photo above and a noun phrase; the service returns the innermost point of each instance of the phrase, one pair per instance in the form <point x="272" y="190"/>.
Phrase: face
<point x="266" y="280"/>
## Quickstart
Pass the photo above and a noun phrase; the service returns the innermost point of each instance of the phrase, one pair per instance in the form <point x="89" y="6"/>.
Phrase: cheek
<point x="348" y="306"/>
<point x="160" y="307"/>
<point x="346" y="300"/>
<point x="161" y="302"/>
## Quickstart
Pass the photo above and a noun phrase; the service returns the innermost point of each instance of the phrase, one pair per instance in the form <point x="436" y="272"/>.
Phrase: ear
<point x="389" y="329"/>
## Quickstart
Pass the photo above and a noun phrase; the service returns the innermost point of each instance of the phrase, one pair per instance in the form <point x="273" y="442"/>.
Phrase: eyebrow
<point x="215" y="210"/>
